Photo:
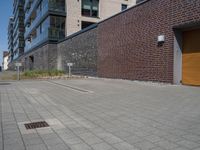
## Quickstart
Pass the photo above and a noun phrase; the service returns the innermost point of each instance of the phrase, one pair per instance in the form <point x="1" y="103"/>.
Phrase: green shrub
<point x="43" y="73"/>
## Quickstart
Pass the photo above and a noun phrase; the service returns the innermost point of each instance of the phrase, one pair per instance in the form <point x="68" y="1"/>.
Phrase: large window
<point x="58" y="5"/>
<point x="43" y="26"/>
<point x="124" y="7"/>
<point x="57" y="22"/>
<point x="90" y="8"/>
<point x="41" y="6"/>
<point x="85" y="24"/>
<point x="57" y="27"/>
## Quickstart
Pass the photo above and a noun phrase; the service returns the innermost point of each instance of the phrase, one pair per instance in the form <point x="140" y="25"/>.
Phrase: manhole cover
<point x="35" y="125"/>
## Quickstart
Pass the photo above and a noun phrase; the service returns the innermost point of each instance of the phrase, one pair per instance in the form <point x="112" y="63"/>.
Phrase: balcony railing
<point x="56" y="7"/>
<point x="35" y="42"/>
<point x="52" y="6"/>
<point x="27" y="15"/>
<point x="27" y="3"/>
<point x="36" y="21"/>
<point x="49" y="34"/>
<point x="56" y="34"/>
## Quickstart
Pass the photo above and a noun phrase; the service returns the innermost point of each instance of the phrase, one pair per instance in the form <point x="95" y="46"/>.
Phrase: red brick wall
<point x="127" y="43"/>
<point x="185" y="12"/>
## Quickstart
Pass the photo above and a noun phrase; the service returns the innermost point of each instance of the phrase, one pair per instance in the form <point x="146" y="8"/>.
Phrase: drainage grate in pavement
<point x="35" y="125"/>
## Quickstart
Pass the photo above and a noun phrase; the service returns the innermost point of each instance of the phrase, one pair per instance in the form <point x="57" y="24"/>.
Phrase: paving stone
<point x="81" y="146"/>
<point x="145" y="145"/>
<point x="14" y="147"/>
<point x="36" y="147"/>
<point x="101" y="146"/>
<point x="124" y="146"/>
<point x="93" y="140"/>
<point x="157" y="148"/>
<point x="167" y="145"/>
<point x="73" y="141"/>
<point x="117" y="114"/>
<point x="188" y="144"/>
<point x="53" y="141"/>
<point x="112" y="140"/>
<point x="133" y="139"/>
<point x="59" y="147"/>
<point x="153" y="138"/>
<point x="33" y="141"/>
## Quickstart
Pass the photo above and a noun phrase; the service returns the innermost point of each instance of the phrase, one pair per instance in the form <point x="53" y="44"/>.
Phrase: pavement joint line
<point x="71" y="87"/>
<point x="93" y="133"/>
<point x="49" y="126"/>
<point x="11" y="105"/>
<point x="140" y="110"/>
<point x="1" y="114"/>
<point x="72" y="130"/>
<point x="61" y="122"/>
<point x="46" y="146"/>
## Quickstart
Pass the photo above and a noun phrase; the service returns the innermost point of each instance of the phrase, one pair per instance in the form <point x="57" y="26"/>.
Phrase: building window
<point x="124" y="6"/>
<point x="90" y="8"/>
<point x="57" y="5"/>
<point x="85" y="24"/>
<point x="138" y="1"/>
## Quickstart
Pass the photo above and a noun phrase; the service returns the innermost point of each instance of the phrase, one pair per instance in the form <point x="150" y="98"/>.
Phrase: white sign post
<point x="69" y="65"/>
<point x="18" y="71"/>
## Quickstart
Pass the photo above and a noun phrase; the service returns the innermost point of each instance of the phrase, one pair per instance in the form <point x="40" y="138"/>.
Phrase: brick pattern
<point x="185" y="12"/>
<point x="45" y="58"/>
<point x="80" y="50"/>
<point x="127" y="43"/>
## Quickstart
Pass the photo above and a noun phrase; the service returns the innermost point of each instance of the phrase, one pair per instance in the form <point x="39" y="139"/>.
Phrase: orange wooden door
<point x="191" y="58"/>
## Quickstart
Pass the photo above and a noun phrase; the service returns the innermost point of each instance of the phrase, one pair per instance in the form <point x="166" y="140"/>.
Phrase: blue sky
<point x="5" y="13"/>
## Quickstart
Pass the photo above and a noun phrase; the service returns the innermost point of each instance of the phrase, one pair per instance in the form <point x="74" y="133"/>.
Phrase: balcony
<point x="56" y="7"/>
<point x="27" y="4"/>
<point x="51" y="6"/>
<point x="56" y="34"/>
<point x="19" y="44"/>
<point x="50" y="34"/>
<point x="27" y="15"/>
<point x="36" y="21"/>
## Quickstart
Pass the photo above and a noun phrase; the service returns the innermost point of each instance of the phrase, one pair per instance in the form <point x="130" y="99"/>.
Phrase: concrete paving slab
<point x="89" y="114"/>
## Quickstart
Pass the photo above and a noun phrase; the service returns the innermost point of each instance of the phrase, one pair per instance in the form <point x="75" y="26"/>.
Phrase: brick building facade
<point x="128" y="47"/>
<point x="81" y="50"/>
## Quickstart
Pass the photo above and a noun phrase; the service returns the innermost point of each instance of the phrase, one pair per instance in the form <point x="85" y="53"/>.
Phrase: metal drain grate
<point x="35" y="125"/>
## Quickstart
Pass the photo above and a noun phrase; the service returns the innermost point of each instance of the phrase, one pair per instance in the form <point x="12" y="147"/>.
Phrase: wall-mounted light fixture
<point x="161" y="39"/>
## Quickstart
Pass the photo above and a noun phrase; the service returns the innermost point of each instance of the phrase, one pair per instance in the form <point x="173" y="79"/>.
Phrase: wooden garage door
<point x="191" y="57"/>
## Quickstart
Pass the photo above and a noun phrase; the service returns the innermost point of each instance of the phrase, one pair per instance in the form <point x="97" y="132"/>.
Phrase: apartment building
<point x="40" y="23"/>
<point x="18" y="28"/>
<point x="52" y="20"/>
<point x="44" y="22"/>
<point x="83" y="13"/>
<point x="10" y="39"/>
<point x="5" y="60"/>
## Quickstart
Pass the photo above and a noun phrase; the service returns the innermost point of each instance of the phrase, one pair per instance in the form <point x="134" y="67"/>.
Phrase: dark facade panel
<point x="81" y="50"/>
<point x="18" y="28"/>
<point x="44" y="21"/>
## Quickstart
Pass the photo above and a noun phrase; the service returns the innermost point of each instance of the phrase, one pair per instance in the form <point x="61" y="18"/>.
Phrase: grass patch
<point x="42" y="73"/>
<point x="11" y="77"/>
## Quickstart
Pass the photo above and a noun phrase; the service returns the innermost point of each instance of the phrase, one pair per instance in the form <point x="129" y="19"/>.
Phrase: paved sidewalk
<point x="99" y="114"/>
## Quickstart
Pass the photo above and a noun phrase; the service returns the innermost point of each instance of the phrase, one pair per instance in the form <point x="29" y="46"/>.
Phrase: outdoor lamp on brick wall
<point x="161" y="40"/>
